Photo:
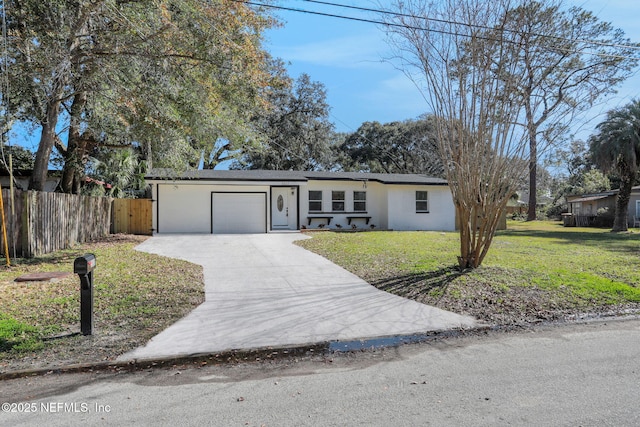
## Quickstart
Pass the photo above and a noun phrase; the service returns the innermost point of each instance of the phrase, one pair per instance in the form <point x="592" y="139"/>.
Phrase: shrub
<point x="604" y="217"/>
<point x="555" y="211"/>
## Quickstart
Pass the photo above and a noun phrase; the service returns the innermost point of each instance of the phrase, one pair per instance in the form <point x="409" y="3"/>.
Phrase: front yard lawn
<point x="535" y="271"/>
<point x="137" y="295"/>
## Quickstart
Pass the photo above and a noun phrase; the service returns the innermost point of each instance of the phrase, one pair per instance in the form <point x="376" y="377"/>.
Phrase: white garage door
<point x="239" y="213"/>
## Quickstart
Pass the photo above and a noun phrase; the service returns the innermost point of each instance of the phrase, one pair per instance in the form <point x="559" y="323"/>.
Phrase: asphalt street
<point x="577" y="375"/>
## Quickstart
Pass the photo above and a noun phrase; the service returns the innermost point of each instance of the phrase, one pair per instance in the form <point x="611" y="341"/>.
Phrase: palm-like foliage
<point x="122" y="170"/>
<point x="616" y="147"/>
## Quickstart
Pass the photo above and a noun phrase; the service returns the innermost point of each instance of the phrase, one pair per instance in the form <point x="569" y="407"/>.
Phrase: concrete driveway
<point x="263" y="290"/>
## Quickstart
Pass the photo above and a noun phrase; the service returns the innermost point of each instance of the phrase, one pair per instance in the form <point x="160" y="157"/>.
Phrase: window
<point x="337" y="201"/>
<point x="577" y="207"/>
<point x="422" y="201"/>
<point x="315" y="201"/>
<point x="359" y="201"/>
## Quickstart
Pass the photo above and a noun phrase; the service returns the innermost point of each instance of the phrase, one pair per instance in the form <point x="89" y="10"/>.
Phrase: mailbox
<point x="83" y="266"/>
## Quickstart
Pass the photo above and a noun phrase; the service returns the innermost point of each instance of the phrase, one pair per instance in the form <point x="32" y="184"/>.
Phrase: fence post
<point x="27" y="231"/>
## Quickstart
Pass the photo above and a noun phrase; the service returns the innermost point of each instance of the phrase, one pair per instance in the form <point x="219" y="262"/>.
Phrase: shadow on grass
<point x="420" y="284"/>
<point x="18" y="345"/>
<point x="58" y="258"/>
<point x="68" y="255"/>
<point x="599" y="237"/>
<point x="6" y="345"/>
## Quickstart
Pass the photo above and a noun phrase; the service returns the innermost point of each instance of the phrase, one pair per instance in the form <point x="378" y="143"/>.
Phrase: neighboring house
<point x="585" y="207"/>
<point x="21" y="179"/>
<point x="521" y="206"/>
<point x="259" y="201"/>
<point x="634" y="207"/>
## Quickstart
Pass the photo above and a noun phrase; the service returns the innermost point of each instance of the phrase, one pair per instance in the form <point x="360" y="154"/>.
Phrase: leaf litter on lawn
<point x="136" y="296"/>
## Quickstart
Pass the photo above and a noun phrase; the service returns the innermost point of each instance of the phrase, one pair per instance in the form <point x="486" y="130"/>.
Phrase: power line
<point x="351" y="18"/>
<point x="438" y="31"/>
<point x="482" y="27"/>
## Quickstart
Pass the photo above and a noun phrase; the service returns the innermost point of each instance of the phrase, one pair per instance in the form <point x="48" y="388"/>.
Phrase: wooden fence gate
<point x="132" y="216"/>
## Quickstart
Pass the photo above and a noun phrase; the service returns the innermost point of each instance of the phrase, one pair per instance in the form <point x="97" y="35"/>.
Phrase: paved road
<point x="584" y="375"/>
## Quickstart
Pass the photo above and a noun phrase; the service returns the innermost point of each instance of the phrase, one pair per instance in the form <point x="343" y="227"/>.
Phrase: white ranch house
<point x="260" y="201"/>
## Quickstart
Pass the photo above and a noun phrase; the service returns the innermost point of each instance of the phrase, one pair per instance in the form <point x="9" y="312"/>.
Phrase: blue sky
<point x="347" y="57"/>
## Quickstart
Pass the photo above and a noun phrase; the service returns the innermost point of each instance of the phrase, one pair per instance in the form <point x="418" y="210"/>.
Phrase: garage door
<point x="239" y="213"/>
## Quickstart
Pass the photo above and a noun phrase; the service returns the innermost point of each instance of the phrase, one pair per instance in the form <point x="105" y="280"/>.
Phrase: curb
<point x="245" y="355"/>
<point x="232" y="356"/>
<point x="310" y="349"/>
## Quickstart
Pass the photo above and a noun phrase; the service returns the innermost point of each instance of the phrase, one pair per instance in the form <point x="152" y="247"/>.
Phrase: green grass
<point x="17" y="336"/>
<point x="136" y="295"/>
<point x="562" y="268"/>
<point x="594" y="264"/>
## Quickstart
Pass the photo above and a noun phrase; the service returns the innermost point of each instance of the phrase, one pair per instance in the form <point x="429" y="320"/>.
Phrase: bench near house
<point x="259" y="201"/>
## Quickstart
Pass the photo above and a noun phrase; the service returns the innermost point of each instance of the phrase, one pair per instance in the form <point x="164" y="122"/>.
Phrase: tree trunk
<point x="146" y="153"/>
<point x="467" y="257"/>
<point x="47" y="140"/>
<point x="620" y="222"/>
<point x="478" y="225"/>
<point x="76" y="149"/>
<point x="60" y="80"/>
<point x="533" y="188"/>
<point x="533" y="175"/>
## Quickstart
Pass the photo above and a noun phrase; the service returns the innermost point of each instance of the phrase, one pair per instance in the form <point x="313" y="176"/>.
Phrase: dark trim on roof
<point x="600" y="195"/>
<point x="587" y="198"/>
<point x="301" y="176"/>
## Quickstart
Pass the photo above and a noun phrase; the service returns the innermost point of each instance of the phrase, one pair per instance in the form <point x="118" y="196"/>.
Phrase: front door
<point x="284" y="208"/>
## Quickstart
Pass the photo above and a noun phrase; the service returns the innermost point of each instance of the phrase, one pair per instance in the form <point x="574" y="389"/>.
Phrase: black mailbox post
<point x="83" y="266"/>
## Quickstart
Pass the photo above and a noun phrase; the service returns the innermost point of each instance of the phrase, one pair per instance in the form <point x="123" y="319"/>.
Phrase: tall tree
<point x="398" y="147"/>
<point x="616" y="147"/>
<point x="477" y="108"/>
<point x="47" y="40"/>
<point x="580" y="176"/>
<point x="296" y="130"/>
<point x="174" y="71"/>
<point x="568" y="59"/>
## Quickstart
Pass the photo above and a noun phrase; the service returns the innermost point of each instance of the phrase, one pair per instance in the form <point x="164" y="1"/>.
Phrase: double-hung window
<point x="359" y="201"/>
<point x="422" y="201"/>
<point x="337" y="201"/>
<point x="315" y="201"/>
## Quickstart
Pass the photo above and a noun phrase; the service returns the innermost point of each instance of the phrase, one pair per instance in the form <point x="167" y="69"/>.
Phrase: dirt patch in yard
<point x="495" y="304"/>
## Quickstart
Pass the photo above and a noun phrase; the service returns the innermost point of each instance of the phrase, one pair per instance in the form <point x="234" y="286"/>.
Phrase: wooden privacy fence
<point x="132" y="216"/>
<point x="44" y="222"/>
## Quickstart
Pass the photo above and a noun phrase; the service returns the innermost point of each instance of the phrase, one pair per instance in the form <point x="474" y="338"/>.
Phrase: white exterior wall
<point x="375" y="193"/>
<point x="186" y="208"/>
<point x="402" y="208"/>
<point x="380" y="205"/>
